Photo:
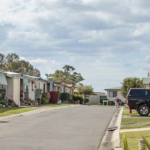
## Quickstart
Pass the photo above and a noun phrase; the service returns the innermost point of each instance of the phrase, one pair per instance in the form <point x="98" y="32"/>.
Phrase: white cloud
<point x="105" y="40"/>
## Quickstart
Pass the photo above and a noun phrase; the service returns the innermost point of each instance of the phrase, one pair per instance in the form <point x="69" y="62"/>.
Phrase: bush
<point x="53" y="97"/>
<point x="12" y="103"/>
<point x="64" y="96"/>
<point x="7" y="103"/>
<point x="122" y="103"/>
<point x="44" y="101"/>
<point x="45" y="98"/>
<point x="86" y="100"/>
<point x="111" y="103"/>
<point x="2" y="94"/>
<point x="58" y="94"/>
<point x="78" y="97"/>
<point x="4" y="103"/>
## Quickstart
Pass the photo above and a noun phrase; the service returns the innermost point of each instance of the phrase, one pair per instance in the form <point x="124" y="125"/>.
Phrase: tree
<point x="13" y="63"/>
<point x="130" y="83"/>
<point x="1" y="60"/>
<point x="67" y="75"/>
<point x="86" y="90"/>
<point x="68" y="68"/>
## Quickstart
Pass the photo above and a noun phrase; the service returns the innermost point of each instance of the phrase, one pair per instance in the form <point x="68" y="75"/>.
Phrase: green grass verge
<point x="135" y="127"/>
<point x="126" y="112"/>
<point x="56" y="105"/>
<point x="11" y="111"/>
<point x="126" y="121"/>
<point x="133" y="137"/>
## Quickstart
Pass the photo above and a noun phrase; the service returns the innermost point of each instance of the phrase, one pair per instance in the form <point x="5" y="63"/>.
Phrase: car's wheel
<point x="143" y="110"/>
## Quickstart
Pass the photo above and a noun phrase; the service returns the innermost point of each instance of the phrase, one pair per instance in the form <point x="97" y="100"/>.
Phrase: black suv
<point x="139" y="99"/>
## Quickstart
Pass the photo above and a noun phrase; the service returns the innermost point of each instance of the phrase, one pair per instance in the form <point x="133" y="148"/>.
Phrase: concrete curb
<point x="111" y="139"/>
<point x="33" y="112"/>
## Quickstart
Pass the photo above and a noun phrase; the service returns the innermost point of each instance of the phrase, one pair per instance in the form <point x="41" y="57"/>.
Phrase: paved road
<point x="72" y="128"/>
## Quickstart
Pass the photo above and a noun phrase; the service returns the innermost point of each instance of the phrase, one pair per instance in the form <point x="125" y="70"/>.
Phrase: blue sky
<point x="106" y="41"/>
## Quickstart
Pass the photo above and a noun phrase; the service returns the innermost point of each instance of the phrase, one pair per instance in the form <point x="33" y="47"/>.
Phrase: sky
<point x="105" y="40"/>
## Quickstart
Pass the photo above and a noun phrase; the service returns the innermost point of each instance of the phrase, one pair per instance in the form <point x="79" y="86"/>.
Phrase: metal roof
<point x="115" y="88"/>
<point x="35" y="78"/>
<point x="12" y="74"/>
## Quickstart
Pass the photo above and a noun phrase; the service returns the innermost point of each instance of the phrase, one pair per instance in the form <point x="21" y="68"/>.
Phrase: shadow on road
<point x="3" y="121"/>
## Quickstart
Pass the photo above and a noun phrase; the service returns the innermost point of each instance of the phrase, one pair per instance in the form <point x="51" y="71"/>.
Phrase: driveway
<point x="72" y="128"/>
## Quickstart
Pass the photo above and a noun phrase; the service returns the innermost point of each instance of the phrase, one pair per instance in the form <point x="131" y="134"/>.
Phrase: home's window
<point x="44" y="88"/>
<point x="113" y="94"/>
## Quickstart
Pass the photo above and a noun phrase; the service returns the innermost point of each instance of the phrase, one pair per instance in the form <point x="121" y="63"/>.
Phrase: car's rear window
<point x="139" y="93"/>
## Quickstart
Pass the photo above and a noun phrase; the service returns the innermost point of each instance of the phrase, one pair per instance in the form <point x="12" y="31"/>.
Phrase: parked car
<point x="139" y="99"/>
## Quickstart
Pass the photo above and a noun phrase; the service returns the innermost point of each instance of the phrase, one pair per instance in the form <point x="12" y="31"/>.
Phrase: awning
<point x="25" y="81"/>
<point x="3" y="80"/>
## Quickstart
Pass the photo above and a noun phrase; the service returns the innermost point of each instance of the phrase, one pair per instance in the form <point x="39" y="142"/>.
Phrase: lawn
<point x="135" y="127"/>
<point x="126" y="112"/>
<point x="55" y="105"/>
<point x="133" y="137"/>
<point x="130" y="120"/>
<point x="126" y="121"/>
<point x="11" y="111"/>
<point x="17" y="110"/>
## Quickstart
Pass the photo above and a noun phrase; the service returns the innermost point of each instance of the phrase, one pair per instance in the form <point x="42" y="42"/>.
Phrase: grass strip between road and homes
<point x="133" y="119"/>
<point x="126" y="112"/>
<point x="136" y="127"/>
<point x="126" y="121"/>
<point x="133" y="137"/>
<point x="17" y="110"/>
<point x="14" y="110"/>
<point x="55" y="105"/>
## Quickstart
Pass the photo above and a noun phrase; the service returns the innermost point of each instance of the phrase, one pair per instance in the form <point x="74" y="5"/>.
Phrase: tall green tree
<point x="2" y="60"/>
<point x="68" y="68"/>
<point x="13" y="63"/>
<point x="67" y="75"/>
<point x="86" y="90"/>
<point x="130" y="83"/>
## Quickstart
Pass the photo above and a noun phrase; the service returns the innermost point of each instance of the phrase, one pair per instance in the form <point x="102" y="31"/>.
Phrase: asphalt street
<point x="71" y="128"/>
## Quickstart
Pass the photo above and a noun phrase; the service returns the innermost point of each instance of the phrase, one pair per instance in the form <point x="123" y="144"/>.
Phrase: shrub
<point x="111" y="103"/>
<point x="12" y="103"/>
<point x="78" y="97"/>
<point x="122" y="103"/>
<point x="45" y="98"/>
<point x="86" y="100"/>
<point x="2" y="94"/>
<point x="65" y="96"/>
<point x="53" y="97"/>
<point x="58" y="94"/>
<point x="44" y="101"/>
<point x="4" y="103"/>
